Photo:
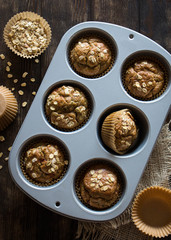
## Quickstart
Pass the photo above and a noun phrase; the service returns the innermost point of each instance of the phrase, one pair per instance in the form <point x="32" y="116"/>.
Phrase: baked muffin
<point x="90" y="56"/>
<point x="119" y="131"/>
<point x="44" y="163"/>
<point x="67" y="107"/>
<point x="99" y="186"/>
<point x="144" y="79"/>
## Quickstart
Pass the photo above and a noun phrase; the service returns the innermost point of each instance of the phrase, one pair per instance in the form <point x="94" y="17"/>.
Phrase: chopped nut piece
<point x="1" y="153"/>
<point x="20" y="92"/>
<point x="24" y="74"/>
<point x="66" y="162"/>
<point x="34" y="93"/>
<point x="9" y="75"/>
<point x="92" y="172"/>
<point x="24" y="104"/>
<point x="7" y="68"/>
<point x="2" y="139"/>
<point x="15" y="80"/>
<point x="37" y="60"/>
<point x="32" y="79"/>
<point x="2" y="56"/>
<point x="1" y="166"/>
<point x="51" y="156"/>
<point x="34" y="175"/>
<point x="9" y="64"/>
<point x="23" y="84"/>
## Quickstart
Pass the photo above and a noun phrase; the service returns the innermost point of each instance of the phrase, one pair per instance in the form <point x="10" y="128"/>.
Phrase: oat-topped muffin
<point x="44" y="163"/>
<point x="119" y="131"/>
<point x="67" y="107"/>
<point x="91" y="56"/>
<point x="144" y="79"/>
<point x="99" y="186"/>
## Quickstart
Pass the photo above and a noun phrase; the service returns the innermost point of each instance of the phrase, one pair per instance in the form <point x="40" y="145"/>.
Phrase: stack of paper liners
<point x="151" y="211"/>
<point x="8" y="107"/>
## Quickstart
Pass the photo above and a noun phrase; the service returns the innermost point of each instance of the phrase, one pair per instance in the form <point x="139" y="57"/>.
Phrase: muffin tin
<point x="84" y="145"/>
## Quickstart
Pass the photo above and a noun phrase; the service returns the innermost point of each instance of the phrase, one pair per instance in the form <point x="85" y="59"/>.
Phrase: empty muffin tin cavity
<point x="146" y="56"/>
<point x="141" y="122"/>
<point x="36" y="141"/>
<point x="75" y="85"/>
<point x="105" y="163"/>
<point x="94" y="33"/>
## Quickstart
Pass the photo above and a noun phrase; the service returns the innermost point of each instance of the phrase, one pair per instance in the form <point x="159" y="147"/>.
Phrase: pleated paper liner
<point x="151" y="211"/>
<point x="30" y="16"/>
<point x="8" y="107"/>
<point x="81" y="174"/>
<point x="145" y="57"/>
<point x="108" y="133"/>
<point x="90" y="107"/>
<point x="35" y="143"/>
<point x="93" y="34"/>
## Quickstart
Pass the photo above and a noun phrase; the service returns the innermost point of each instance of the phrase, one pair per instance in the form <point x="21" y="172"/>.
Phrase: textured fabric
<point x="157" y="172"/>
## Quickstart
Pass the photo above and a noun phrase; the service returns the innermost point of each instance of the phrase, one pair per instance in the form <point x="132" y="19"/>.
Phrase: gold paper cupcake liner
<point x="151" y="211"/>
<point x="36" y="143"/>
<point x="90" y="107"/>
<point x="81" y="174"/>
<point x="31" y="16"/>
<point x="150" y="58"/>
<point x="105" y="40"/>
<point x="8" y="108"/>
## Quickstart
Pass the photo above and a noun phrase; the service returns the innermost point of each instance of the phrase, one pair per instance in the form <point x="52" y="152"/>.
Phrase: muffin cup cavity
<point x="76" y="86"/>
<point x="150" y="57"/>
<point x="141" y="123"/>
<point x="93" y="33"/>
<point x="93" y="163"/>
<point x="43" y="140"/>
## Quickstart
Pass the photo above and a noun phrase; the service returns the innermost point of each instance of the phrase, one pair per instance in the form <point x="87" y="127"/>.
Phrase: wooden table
<point x="21" y="217"/>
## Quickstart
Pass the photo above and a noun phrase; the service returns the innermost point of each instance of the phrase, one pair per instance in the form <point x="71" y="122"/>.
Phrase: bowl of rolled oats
<point x="27" y="34"/>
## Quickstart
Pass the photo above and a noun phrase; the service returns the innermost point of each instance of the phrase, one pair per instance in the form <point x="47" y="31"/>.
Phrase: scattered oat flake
<point x="9" y="149"/>
<point x="37" y="60"/>
<point x="32" y="79"/>
<point x="9" y="64"/>
<point x="2" y="56"/>
<point x="6" y="159"/>
<point x="2" y="139"/>
<point x="20" y="92"/>
<point x="1" y="153"/>
<point x="24" y="104"/>
<point x="34" y="93"/>
<point x="23" y="84"/>
<point x="7" y="68"/>
<point x="15" y="80"/>
<point x="24" y="74"/>
<point x="9" y="75"/>
<point x="13" y="89"/>
<point x="1" y="166"/>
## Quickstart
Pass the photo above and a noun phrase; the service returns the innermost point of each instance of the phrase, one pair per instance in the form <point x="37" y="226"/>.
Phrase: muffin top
<point x="144" y="79"/>
<point x="67" y="107"/>
<point x="119" y="131"/>
<point x="44" y="163"/>
<point x="90" y="56"/>
<point x="99" y="186"/>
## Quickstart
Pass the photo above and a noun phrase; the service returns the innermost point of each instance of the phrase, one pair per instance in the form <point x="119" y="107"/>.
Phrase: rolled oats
<point x="2" y="139"/>
<point x="24" y="104"/>
<point x="2" y="56"/>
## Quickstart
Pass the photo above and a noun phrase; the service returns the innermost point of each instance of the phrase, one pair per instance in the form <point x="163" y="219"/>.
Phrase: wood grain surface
<point x="20" y="217"/>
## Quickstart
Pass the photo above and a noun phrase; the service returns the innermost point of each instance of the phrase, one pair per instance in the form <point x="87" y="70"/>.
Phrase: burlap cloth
<point x="157" y="172"/>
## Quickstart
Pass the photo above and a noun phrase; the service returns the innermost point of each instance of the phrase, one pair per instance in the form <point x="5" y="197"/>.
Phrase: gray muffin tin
<point x="84" y="145"/>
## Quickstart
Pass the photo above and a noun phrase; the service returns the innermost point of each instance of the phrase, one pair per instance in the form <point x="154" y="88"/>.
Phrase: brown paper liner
<point x="31" y="16"/>
<point x="8" y="107"/>
<point x="81" y="174"/>
<point x="150" y="58"/>
<point x="88" y="114"/>
<point x="104" y="39"/>
<point x="36" y="143"/>
<point x="151" y="211"/>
